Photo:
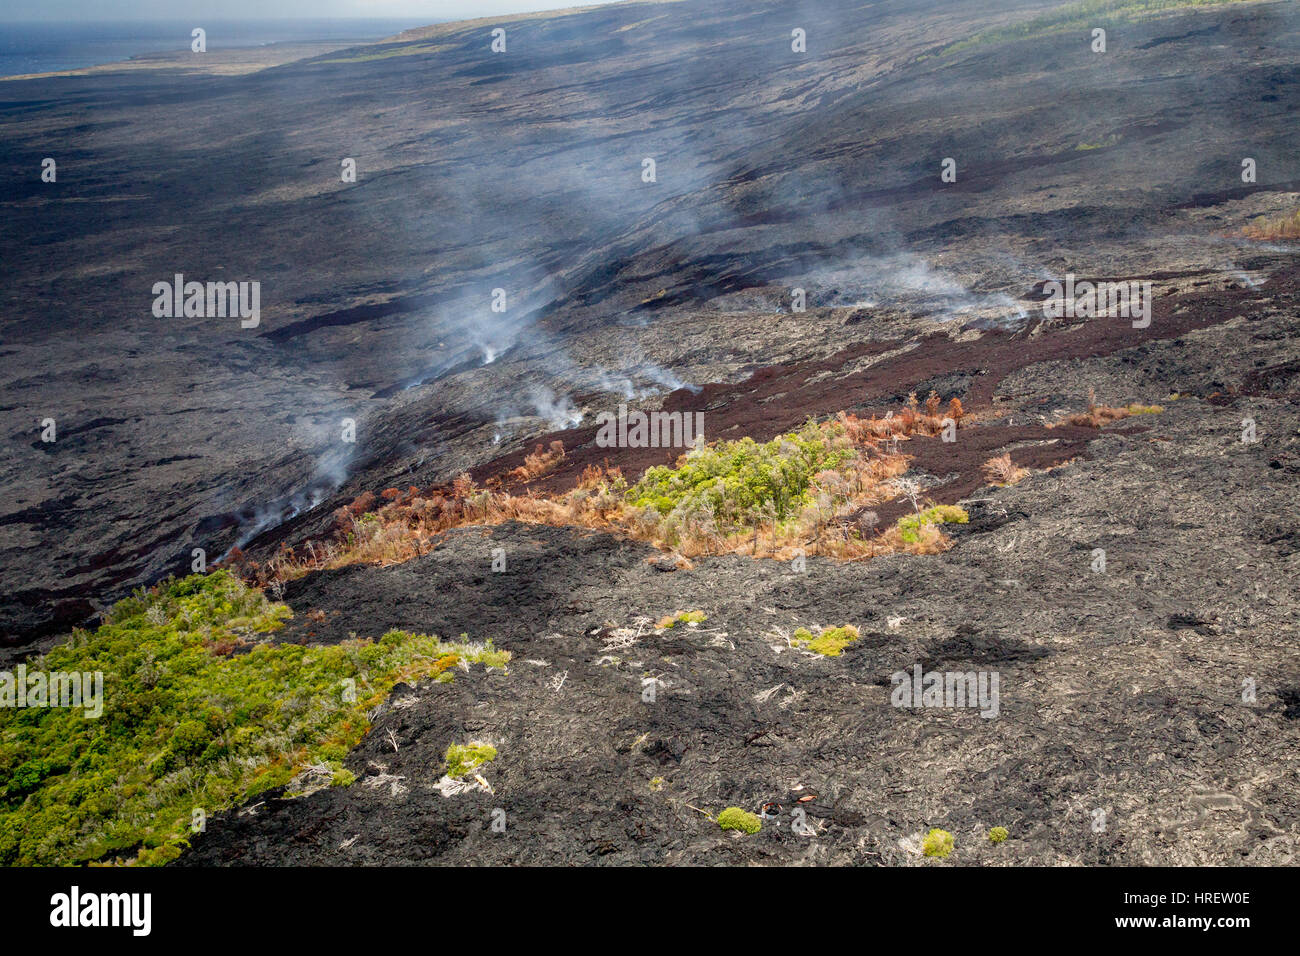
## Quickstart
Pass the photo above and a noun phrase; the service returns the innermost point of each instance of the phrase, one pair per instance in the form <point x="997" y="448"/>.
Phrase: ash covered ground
<point x="1121" y="690"/>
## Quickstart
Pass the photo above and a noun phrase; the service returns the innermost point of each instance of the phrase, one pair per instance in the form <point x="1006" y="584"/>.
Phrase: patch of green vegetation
<point x="683" y="617"/>
<point x="466" y="758"/>
<point x="343" y="777"/>
<point x="910" y="527"/>
<point x="1283" y="226"/>
<point x="186" y="723"/>
<point x="736" y="484"/>
<point x="1136" y="409"/>
<point x="998" y="834"/>
<point x="656" y="784"/>
<point x="830" y="642"/>
<point x="1082" y="15"/>
<point x="937" y="843"/>
<point x="406" y="49"/>
<point x="734" y="818"/>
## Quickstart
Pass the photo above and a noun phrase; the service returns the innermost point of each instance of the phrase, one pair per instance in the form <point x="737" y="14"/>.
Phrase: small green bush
<point x="734" y="818"/>
<point x="464" y="759"/>
<point x="830" y="642"/>
<point x="735" y="484"/>
<point x="998" y="834"/>
<point x="684" y="617"/>
<point x="937" y="843"/>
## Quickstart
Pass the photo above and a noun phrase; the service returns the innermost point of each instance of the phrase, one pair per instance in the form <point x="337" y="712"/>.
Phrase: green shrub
<point x="830" y="642"/>
<point x="998" y="834"/>
<point x="937" y="843"/>
<point x="683" y="617"/>
<point x="736" y="483"/>
<point x="910" y="527"/>
<point x="463" y="759"/>
<point x="185" y="724"/>
<point x="734" y="818"/>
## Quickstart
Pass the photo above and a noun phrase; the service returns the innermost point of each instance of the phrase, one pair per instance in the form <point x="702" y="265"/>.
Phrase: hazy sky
<point x="214" y="10"/>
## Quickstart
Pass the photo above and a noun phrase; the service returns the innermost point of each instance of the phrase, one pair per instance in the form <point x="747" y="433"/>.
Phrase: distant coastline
<point x="46" y="47"/>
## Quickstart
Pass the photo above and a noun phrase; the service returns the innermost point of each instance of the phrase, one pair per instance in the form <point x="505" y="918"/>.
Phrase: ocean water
<point x="44" y="47"/>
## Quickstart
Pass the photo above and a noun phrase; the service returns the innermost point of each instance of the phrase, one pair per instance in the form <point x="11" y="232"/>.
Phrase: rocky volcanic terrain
<point x="1124" y="734"/>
